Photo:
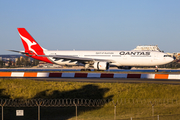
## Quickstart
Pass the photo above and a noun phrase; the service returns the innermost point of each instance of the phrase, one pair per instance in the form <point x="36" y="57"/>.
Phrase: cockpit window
<point x="167" y="55"/>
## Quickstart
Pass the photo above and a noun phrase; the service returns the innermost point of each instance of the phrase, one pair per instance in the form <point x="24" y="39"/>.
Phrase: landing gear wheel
<point x="85" y="69"/>
<point x="98" y="70"/>
<point x="156" y="70"/>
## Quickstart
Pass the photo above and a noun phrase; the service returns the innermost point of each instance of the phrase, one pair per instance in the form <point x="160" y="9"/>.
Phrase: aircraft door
<point x="155" y="56"/>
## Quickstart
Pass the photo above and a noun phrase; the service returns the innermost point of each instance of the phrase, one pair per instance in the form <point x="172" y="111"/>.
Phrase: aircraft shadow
<point x="87" y="92"/>
<point x="2" y="96"/>
<point x="63" y="113"/>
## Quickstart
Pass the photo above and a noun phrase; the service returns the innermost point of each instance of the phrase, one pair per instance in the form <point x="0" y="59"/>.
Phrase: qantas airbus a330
<point x="99" y="60"/>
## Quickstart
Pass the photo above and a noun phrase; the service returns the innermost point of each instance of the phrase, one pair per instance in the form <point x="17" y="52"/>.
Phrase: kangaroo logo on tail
<point x="32" y="48"/>
<point x="30" y="45"/>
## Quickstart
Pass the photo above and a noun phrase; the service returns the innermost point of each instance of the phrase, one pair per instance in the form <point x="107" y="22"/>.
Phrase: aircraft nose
<point x="172" y="58"/>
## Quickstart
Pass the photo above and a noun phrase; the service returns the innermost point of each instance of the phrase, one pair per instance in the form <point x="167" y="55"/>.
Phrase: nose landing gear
<point x="156" y="69"/>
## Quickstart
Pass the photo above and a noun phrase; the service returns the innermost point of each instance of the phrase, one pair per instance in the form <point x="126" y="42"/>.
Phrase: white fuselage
<point x="118" y="58"/>
<point x="100" y="60"/>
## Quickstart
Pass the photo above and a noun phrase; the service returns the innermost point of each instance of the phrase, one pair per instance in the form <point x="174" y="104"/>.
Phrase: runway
<point x="71" y="70"/>
<point x="95" y="77"/>
<point x="110" y="80"/>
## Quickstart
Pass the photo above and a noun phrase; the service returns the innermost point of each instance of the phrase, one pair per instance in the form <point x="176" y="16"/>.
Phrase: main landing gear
<point x="86" y="68"/>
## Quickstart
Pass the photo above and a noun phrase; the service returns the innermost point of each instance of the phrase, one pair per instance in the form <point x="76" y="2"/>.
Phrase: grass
<point x="27" y="89"/>
<point x="124" y="93"/>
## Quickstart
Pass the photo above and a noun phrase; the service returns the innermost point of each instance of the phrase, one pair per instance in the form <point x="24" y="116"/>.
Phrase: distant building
<point x="21" y="57"/>
<point x="10" y="57"/>
<point x="148" y="47"/>
<point x="13" y="57"/>
<point x="176" y="55"/>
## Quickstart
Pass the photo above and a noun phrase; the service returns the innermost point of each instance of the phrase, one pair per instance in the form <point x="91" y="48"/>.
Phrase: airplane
<point x="99" y="60"/>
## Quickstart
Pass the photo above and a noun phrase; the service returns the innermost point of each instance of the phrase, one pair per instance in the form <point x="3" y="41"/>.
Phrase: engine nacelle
<point x="101" y="65"/>
<point x="125" y="67"/>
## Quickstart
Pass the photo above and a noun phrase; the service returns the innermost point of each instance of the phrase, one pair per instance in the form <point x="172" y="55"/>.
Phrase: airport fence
<point x="87" y="109"/>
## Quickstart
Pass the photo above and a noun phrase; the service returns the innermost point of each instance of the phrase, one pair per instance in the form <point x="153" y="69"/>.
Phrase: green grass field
<point x="134" y="100"/>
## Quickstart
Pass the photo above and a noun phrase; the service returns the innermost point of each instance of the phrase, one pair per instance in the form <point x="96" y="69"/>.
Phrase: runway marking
<point x="161" y="76"/>
<point x="55" y="74"/>
<point x="17" y="74"/>
<point x="105" y="75"/>
<point x="5" y="74"/>
<point x="30" y="74"/>
<point x="134" y="76"/>
<point x="81" y="75"/>
<point x="89" y="75"/>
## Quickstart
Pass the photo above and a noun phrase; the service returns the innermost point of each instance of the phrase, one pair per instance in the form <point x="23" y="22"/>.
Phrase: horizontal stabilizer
<point x="22" y="52"/>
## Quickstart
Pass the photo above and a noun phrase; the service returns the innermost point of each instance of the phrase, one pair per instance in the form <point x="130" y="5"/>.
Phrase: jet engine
<point x="101" y="65"/>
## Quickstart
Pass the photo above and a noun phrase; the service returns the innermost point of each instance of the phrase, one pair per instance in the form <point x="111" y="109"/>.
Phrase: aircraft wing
<point x="74" y="58"/>
<point x="68" y="57"/>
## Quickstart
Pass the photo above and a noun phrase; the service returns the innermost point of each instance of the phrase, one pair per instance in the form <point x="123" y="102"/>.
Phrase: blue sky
<point x="91" y="24"/>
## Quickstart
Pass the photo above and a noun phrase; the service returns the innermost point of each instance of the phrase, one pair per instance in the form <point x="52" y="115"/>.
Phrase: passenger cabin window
<point x="167" y="55"/>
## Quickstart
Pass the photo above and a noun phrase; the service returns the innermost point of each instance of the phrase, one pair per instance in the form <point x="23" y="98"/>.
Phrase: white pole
<point x="38" y="112"/>
<point x="153" y="110"/>
<point x="115" y="112"/>
<point x="2" y="113"/>
<point x="76" y="112"/>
